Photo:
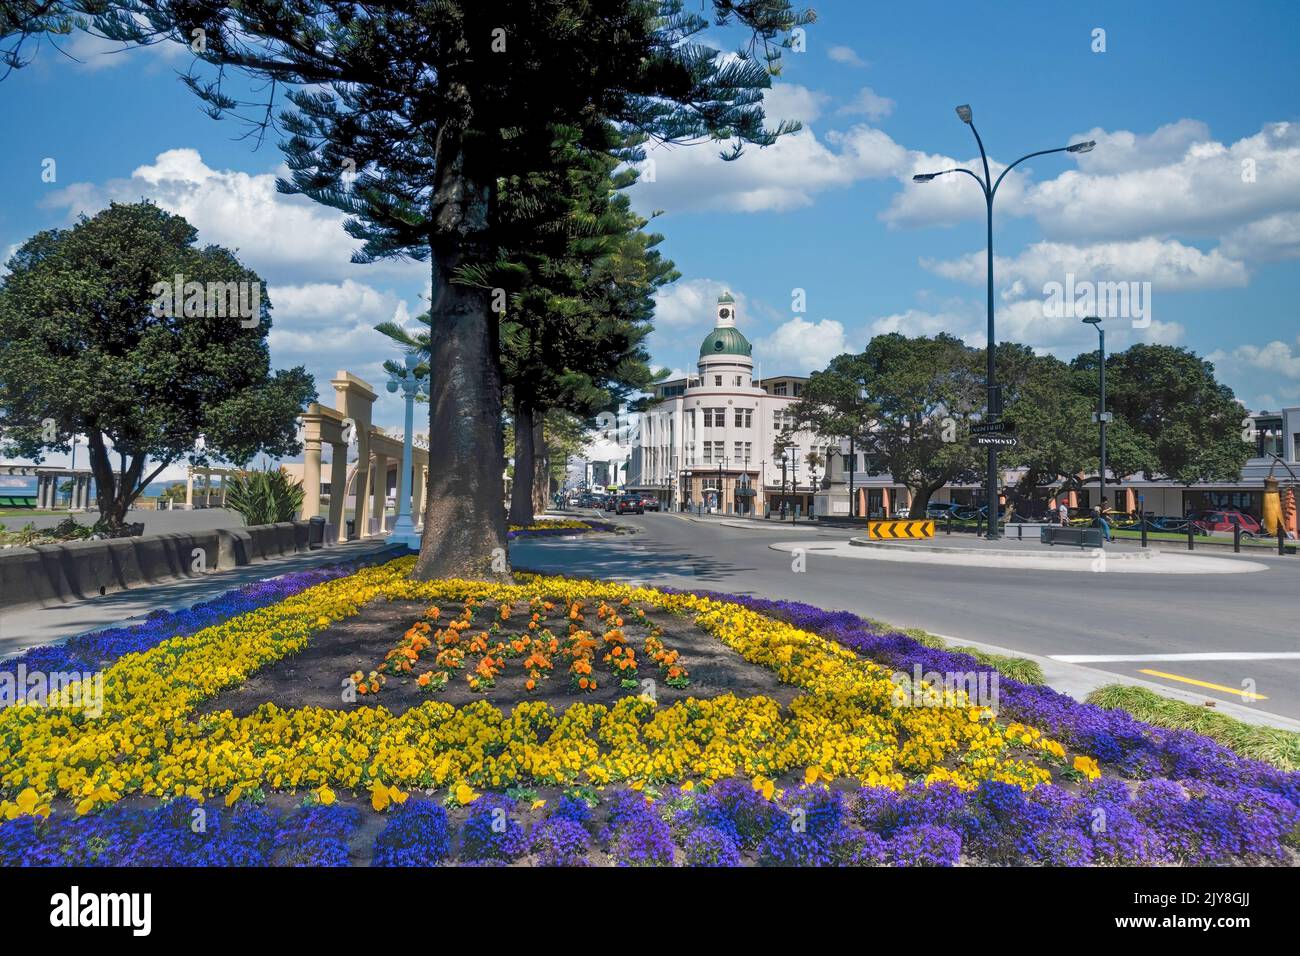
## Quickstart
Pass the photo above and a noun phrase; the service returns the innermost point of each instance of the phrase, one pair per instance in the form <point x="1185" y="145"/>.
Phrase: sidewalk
<point x="31" y="627"/>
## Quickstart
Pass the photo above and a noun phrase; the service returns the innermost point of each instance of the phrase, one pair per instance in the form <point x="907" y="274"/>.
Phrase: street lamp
<point x="994" y="394"/>
<point x="411" y="386"/>
<point x="1101" y="416"/>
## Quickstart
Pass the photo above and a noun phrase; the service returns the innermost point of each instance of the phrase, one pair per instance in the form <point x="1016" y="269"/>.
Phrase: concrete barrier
<point x="52" y="574"/>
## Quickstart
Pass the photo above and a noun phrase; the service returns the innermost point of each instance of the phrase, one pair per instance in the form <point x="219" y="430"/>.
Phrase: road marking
<point x="1197" y="656"/>
<point x="1235" y="691"/>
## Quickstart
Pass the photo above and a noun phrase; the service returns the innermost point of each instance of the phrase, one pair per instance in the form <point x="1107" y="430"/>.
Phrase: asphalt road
<point x="1050" y="613"/>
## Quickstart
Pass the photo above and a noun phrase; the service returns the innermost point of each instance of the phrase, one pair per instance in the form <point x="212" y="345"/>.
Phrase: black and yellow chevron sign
<point x="896" y="530"/>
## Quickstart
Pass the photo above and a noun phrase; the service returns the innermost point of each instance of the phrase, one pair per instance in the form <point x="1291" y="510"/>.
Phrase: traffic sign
<point x="990" y="428"/>
<point x="1001" y="441"/>
<point x="896" y="530"/>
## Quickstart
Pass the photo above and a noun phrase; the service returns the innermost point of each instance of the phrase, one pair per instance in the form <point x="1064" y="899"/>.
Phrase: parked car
<point x="629" y="504"/>
<point x="1226" y="519"/>
<point x="941" y="509"/>
<point x="650" y="503"/>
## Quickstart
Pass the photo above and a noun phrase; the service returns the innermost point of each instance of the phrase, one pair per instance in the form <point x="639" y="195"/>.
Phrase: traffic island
<point x="1023" y="555"/>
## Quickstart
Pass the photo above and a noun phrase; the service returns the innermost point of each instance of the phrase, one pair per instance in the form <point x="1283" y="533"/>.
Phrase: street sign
<point x="990" y="428"/>
<point x="897" y="530"/>
<point x="1001" y="441"/>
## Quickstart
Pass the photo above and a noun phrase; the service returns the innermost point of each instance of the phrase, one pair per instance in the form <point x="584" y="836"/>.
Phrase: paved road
<point x="1050" y="613"/>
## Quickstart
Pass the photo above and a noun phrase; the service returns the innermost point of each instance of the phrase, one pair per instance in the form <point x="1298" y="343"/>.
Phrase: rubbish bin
<point x="352" y="529"/>
<point x="315" y="533"/>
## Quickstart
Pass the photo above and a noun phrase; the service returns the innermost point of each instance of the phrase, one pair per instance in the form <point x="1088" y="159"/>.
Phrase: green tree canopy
<point x="84" y="350"/>
<point x="407" y="116"/>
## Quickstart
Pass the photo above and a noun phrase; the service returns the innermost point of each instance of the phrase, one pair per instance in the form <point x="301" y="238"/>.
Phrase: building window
<point x="711" y="484"/>
<point x="715" y="418"/>
<point x="779" y="388"/>
<point x="737" y="381"/>
<point x="744" y="418"/>
<point x="717" y="380"/>
<point x="782" y="420"/>
<point x="744" y="451"/>
<point x="798" y="387"/>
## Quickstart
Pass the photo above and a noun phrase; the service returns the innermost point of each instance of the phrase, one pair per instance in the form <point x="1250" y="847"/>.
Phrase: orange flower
<point x="530" y="684"/>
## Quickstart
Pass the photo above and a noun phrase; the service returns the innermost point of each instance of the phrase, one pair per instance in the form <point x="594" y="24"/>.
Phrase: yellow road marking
<point x="1235" y="691"/>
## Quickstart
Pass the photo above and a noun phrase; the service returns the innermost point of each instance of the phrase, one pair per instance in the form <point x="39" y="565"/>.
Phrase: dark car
<point x="629" y="504"/>
<point x="650" y="503"/>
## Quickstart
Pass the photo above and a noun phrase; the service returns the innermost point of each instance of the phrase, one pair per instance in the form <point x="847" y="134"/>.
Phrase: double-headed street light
<point x="990" y="188"/>
<point x="411" y="385"/>
<point x="1101" y="416"/>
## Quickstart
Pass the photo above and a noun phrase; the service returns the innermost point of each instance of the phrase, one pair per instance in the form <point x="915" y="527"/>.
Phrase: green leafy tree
<point x="1170" y="397"/>
<point x="407" y="116"/>
<point x="1051" y="404"/>
<point x="84" y="350"/>
<point x="906" y="401"/>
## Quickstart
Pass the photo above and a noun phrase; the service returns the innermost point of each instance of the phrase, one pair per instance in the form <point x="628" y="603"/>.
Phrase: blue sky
<point x="1183" y="95"/>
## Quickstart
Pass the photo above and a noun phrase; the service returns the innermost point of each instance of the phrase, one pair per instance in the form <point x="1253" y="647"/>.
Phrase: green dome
<point x="725" y="298"/>
<point x="725" y="342"/>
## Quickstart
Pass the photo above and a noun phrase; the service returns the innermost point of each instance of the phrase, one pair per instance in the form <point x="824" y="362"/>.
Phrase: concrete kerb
<point x="1079" y="680"/>
<point x="1089" y="560"/>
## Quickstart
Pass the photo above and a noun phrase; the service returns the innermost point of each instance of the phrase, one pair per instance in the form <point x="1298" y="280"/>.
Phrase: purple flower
<point x="709" y="846"/>
<point x="417" y="834"/>
<point x="558" y="841"/>
<point x="924" y="845"/>
<point x="491" y="832"/>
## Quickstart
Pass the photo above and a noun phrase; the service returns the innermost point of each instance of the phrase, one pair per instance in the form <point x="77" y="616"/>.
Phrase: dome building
<point x="710" y="438"/>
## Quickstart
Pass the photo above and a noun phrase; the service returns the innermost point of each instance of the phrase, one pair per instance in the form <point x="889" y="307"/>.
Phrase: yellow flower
<point x="465" y="794"/>
<point x="325" y="795"/>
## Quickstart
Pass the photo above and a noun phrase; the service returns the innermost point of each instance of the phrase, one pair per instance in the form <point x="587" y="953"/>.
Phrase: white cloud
<point x="846" y="55"/>
<point x="808" y="346"/>
<point x="1274" y="237"/>
<point x="1210" y="189"/>
<point x="1168" y="266"/>
<point x="784" y="176"/>
<point x="869" y="103"/>
<point x="239" y="210"/>
<point x="790" y="101"/>
<point x="1276" y="357"/>
<point x="95" y="53"/>
<point x="1123" y="151"/>
<point x="690" y="303"/>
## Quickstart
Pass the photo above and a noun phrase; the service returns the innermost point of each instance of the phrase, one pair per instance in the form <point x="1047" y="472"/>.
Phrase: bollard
<point x="1236" y="538"/>
<point x="1143" y="520"/>
<point x="948" y="525"/>
<point x="1191" y="532"/>
<point x="1281" y="539"/>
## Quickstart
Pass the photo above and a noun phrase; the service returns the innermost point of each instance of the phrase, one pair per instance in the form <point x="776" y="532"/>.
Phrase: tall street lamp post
<point x="1101" y="416"/>
<point x="411" y="386"/>
<point x="994" y="393"/>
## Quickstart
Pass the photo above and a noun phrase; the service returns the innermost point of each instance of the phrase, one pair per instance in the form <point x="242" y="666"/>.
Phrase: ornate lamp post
<point x="411" y="386"/>
<point x="989" y="187"/>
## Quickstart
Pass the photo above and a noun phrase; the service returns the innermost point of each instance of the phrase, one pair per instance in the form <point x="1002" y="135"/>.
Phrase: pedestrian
<point x="1063" y="513"/>
<point x="1100" y="514"/>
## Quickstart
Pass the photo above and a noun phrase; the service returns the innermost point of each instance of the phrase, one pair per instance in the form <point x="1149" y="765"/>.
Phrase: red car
<point x="1225" y="519"/>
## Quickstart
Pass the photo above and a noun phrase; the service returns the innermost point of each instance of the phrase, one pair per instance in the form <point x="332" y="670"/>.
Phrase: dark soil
<point x="315" y="677"/>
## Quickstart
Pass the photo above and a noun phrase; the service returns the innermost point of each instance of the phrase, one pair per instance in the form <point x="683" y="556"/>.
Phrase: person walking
<point x="1100" y="514"/>
<point x="1063" y="513"/>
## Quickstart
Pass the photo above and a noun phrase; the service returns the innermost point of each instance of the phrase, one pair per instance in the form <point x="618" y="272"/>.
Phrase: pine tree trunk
<point x="541" y="466"/>
<point x="521" y="490"/>
<point x="464" y="526"/>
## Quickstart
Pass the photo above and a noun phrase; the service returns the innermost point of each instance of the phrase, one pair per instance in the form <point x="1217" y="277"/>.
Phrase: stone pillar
<point x="380" y="491"/>
<point x="40" y="492"/>
<point x="402" y="480"/>
<point x="421" y="487"/>
<point x="189" y="491"/>
<point x="338" y="487"/>
<point x="311" y="478"/>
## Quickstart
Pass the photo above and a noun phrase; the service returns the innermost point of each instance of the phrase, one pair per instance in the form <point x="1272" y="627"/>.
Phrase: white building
<point x="709" y="439"/>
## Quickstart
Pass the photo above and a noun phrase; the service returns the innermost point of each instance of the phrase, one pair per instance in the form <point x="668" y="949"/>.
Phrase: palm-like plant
<point x="264" y="497"/>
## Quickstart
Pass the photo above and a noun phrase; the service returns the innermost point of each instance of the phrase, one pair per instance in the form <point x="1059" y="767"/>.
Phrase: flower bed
<point x="563" y="526"/>
<point x="844" y="774"/>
